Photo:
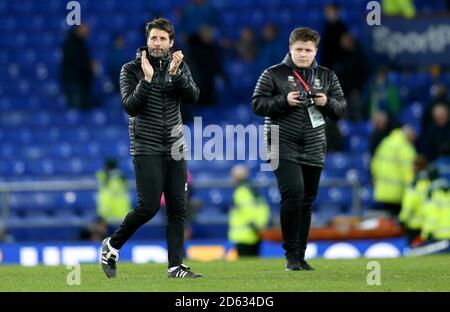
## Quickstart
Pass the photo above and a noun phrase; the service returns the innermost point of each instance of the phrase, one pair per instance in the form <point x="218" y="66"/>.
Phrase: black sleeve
<point x="265" y="101"/>
<point x="336" y="103"/>
<point x="185" y="85"/>
<point x="133" y="92"/>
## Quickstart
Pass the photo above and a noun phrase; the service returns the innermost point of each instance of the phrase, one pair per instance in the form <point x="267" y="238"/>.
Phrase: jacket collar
<point x="152" y="59"/>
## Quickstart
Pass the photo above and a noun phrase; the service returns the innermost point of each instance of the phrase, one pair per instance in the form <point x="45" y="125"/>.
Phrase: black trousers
<point x="298" y="185"/>
<point x="154" y="175"/>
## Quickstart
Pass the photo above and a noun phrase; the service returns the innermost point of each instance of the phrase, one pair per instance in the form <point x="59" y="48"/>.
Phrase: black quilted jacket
<point x="155" y="124"/>
<point x="299" y="142"/>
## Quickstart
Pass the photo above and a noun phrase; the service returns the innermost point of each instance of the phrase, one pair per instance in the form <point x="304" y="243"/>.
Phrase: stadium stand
<point x="41" y="139"/>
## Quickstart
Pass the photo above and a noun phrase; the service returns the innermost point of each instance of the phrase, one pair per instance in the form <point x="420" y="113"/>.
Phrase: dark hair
<point x="110" y="164"/>
<point x="333" y="5"/>
<point x="304" y="34"/>
<point x="162" y="24"/>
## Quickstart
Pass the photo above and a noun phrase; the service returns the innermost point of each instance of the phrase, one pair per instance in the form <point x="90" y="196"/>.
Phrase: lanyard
<point x="301" y="80"/>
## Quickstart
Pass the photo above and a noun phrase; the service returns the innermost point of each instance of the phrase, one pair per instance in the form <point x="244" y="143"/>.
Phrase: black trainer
<point x="292" y="265"/>
<point x="305" y="266"/>
<point x="109" y="259"/>
<point x="183" y="271"/>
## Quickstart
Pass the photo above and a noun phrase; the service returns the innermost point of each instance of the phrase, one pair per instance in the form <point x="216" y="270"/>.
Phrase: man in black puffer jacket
<point x="153" y="87"/>
<point x="297" y="96"/>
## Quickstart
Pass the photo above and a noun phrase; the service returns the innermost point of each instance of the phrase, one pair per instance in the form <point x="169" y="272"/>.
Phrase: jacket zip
<point x="162" y="75"/>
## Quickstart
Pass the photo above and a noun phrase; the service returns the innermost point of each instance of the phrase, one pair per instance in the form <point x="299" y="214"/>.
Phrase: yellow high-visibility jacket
<point x="437" y="212"/>
<point x="392" y="168"/>
<point x="405" y="8"/>
<point x="113" y="202"/>
<point x="249" y="214"/>
<point x="412" y="213"/>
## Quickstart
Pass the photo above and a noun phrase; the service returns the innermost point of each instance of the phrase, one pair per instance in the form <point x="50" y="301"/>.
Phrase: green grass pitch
<point x="427" y="273"/>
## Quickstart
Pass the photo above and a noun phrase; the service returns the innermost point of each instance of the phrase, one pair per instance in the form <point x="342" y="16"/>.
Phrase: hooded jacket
<point x="155" y="124"/>
<point x="298" y="140"/>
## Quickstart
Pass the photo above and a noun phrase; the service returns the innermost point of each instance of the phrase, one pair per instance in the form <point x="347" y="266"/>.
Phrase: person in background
<point x="77" y="68"/>
<point x="436" y="210"/>
<point x="382" y="95"/>
<point x="436" y="221"/>
<point x="439" y="95"/>
<point x="205" y="59"/>
<point x="333" y="29"/>
<point x="95" y="232"/>
<point x="271" y="47"/>
<point x="5" y="237"/>
<point x="437" y="134"/>
<point x="392" y="168"/>
<point x="246" y="47"/>
<point x="381" y="129"/>
<point x="249" y="215"/>
<point x="194" y="16"/>
<point x="442" y="163"/>
<point x="412" y="213"/>
<point x="352" y="70"/>
<point x="114" y="201"/>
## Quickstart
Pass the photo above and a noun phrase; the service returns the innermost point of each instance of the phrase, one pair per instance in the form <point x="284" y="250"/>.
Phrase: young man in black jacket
<point x="153" y="87"/>
<point x="297" y="96"/>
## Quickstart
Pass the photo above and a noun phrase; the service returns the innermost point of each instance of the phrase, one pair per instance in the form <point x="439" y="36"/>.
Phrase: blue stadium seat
<point x="342" y="161"/>
<point x="361" y="176"/>
<point x="31" y="201"/>
<point x="8" y="24"/>
<point x="79" y="200"/>
<point x="7" y="150"/>
<point x="412" y="115"/>
<point x="68" y="217"/>
<point x="336" y="196"/>
<point x="359" y="144"/>
<point x="333" y="174"/>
